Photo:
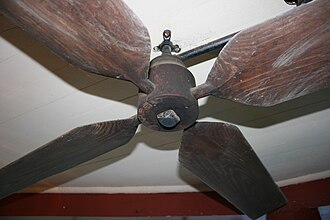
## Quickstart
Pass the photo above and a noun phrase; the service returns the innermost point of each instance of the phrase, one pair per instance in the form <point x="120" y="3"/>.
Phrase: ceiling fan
<point x="273" y="62"/>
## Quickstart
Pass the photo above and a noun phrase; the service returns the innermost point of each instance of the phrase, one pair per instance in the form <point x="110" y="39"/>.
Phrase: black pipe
<point x="205" y="52"/>
<point x="297" y="2"/>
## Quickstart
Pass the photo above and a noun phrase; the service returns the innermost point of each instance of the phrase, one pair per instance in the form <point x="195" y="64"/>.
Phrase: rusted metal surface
<point x="172" y="83"/>
<point x="278" y="60"/>
<point x="69" y="150"/>
<point x="219" y="155"/>
<point x="103" y="37"/>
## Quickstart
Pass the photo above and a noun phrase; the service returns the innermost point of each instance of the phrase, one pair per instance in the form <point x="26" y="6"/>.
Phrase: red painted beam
<point x="178" y="204"/>
<point x="297" y="214"/>
<point x="303" y="201"/>
<point x="301" y="196"/>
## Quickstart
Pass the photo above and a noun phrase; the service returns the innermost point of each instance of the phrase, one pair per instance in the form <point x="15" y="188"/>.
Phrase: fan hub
<point x="170" y="106"/>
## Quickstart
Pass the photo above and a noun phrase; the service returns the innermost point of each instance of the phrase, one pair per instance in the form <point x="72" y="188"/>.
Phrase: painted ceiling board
<point x="42" y="97"/>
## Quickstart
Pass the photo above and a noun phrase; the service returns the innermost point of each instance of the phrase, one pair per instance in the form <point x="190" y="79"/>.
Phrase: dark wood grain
<point x="220" y="156"/>
<point x="75" y="147"/>
<point x="103" y="37"/>
<point x="275" y="61"/>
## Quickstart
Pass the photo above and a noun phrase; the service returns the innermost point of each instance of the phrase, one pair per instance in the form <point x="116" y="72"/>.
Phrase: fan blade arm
<point x="221" y="157"/>
<point x="103" y="37"/>
<point x="67" y="151"/>
<point x="203" y="90"/>
<point x="276" y="61"/>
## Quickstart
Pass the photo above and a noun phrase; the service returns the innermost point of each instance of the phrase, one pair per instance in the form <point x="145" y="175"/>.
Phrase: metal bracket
<point x="167" y="47"/>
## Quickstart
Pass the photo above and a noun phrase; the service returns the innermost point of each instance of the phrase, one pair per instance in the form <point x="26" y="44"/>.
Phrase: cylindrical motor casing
<point x="173" y="82"/>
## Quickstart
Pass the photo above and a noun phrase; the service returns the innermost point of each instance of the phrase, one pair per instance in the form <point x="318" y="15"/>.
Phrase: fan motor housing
<point x="170" y="106"/>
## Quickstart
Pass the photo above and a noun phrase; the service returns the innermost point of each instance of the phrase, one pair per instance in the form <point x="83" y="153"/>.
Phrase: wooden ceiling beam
<point x="301" y="197"/>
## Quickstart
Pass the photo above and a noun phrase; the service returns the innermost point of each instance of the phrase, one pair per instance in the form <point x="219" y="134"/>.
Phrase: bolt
<point x="167" y="35"/>
<point x="168" y="118"/>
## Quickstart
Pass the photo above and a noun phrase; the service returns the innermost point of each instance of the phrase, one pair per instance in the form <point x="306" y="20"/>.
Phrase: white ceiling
<point x="42" y="97"/>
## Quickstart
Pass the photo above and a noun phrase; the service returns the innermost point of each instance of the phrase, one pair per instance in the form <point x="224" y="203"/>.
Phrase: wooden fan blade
<point x="103" y="37"/>
<point x="221" y="157"/>
<point x="69" y="150"/>
<point x="275" y="61"/>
